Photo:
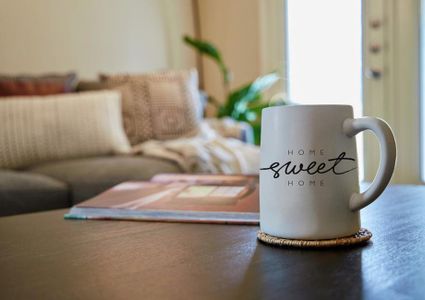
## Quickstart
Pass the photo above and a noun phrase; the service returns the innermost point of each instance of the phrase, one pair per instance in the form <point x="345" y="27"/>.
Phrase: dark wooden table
<point x="43" y="256"/>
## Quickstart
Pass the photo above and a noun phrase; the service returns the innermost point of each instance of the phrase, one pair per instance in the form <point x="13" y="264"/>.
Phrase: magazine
<point x="224" y="199"/>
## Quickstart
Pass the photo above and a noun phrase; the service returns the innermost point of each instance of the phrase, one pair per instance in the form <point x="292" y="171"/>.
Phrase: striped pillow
<point x="37" y="129"/>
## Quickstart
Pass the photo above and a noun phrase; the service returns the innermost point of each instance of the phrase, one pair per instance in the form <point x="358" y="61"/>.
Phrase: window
<point x="324" y="54"/>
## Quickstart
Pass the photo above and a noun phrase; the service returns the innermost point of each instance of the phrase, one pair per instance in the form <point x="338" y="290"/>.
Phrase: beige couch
<point x="61" y="184"/>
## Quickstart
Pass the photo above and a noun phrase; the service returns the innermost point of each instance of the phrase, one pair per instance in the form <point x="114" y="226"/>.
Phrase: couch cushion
<point x="93" y="85"/>
<point x="91" y="176"/>
<point x="22" y="192"/>
<point x="160" y="105"/>
<point x="38" y="129"/>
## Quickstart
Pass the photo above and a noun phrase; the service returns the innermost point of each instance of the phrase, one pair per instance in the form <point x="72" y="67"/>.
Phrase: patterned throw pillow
<point x="159" y="106"/>
<point x="37" y="129"/>
<point x="37" y="85"/>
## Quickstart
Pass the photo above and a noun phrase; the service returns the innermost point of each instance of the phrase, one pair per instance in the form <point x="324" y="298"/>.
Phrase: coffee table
<point x="43" y="256"/>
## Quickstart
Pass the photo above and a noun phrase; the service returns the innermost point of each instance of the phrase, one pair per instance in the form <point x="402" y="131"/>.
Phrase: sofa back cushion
<point x="162" y="105"/>
<point x="38" y="129"/>
<point x="37" y="85"/>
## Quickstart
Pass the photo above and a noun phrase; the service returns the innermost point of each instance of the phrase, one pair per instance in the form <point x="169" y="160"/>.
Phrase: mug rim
<point x="308" y="105"/>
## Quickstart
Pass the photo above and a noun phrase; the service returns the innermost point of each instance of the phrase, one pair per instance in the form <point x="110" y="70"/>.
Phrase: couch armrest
<point x="228" y="127"/>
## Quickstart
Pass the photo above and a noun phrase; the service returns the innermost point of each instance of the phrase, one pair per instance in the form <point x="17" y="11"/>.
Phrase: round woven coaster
<point x="361" y="236"/>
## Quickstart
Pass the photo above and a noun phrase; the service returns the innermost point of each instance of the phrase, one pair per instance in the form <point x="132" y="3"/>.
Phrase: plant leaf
<point x="238" y="100"/>
<point x="204" y="48"/>
<point x="262" y="83"/>
<point x="211" y="51"/>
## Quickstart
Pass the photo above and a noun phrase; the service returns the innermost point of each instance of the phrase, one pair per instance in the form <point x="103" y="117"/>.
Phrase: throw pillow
<point x="161" y="105"/>
<point x="38" y="129"/>
<point x="33" y="85"/>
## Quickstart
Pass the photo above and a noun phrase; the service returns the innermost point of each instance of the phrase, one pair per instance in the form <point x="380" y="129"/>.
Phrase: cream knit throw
<point x="208" y="152"/>
<point x="39" y="129"/>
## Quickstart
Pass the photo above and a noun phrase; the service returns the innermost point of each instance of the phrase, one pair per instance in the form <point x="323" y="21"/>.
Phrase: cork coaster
<point x="361" y="236"/>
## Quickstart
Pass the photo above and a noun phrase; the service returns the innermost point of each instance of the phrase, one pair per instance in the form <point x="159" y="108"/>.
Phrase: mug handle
<point x="387" y="146"/>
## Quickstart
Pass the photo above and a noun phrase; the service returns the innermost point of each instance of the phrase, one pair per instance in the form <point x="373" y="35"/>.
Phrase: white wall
<point x="91" y="36"/>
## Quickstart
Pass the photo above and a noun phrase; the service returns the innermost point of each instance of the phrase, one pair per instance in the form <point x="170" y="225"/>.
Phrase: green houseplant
<point x="244" y="103"/>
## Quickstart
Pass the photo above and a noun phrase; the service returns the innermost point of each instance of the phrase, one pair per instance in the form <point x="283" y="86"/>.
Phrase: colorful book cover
<point x="224" y="199"/>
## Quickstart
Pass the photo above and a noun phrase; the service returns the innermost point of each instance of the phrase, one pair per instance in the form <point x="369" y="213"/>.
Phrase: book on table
<point x="225" y="199"/>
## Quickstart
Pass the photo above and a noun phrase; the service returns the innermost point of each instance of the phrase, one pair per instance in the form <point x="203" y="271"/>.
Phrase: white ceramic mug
<point x="309" y="186"/>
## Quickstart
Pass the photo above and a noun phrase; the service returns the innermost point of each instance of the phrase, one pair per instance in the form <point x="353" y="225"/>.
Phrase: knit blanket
<point x="207" y="152"/>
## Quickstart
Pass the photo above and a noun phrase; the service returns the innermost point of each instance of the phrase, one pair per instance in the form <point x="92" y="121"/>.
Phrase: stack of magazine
<point x="224" y="199"/>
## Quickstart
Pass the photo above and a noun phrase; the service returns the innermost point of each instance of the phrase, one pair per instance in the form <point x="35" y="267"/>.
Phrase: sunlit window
<point x="324" y="54"/>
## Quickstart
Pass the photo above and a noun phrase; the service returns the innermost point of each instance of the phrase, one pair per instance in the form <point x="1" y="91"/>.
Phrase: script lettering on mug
<point x="338" y="165"/>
